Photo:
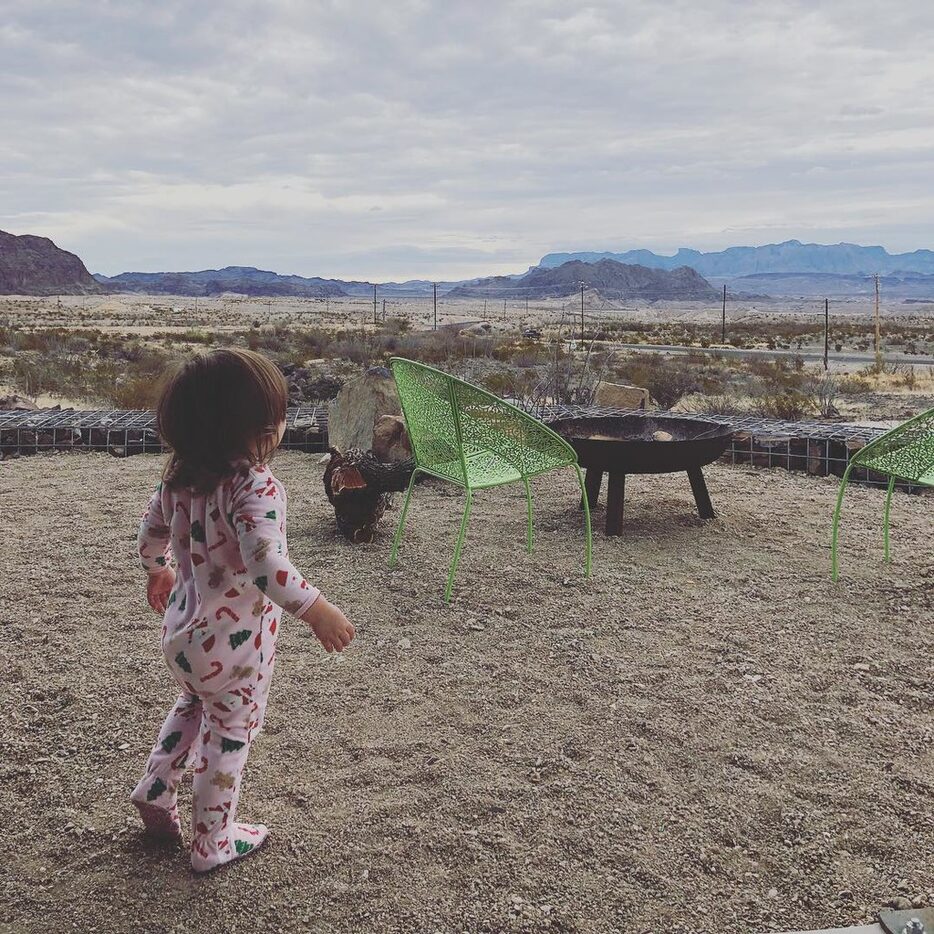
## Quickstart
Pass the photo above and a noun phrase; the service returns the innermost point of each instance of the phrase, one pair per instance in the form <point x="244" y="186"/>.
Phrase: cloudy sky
<point x="447" y="138"/>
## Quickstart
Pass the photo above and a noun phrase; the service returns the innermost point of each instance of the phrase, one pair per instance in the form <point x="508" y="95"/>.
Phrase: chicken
<point x="360" y="488"/>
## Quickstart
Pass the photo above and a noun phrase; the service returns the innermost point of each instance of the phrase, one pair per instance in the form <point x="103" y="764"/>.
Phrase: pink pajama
<point x="219" y="641"/>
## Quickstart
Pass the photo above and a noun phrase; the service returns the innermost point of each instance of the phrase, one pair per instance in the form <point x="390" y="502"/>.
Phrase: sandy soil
<point x="708" y="736"/>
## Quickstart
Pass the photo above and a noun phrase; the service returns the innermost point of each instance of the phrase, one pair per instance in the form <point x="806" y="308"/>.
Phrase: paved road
<point x="809" y="356"/>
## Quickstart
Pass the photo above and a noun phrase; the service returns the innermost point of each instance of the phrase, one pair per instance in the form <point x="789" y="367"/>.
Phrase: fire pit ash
<point x="627" y="444"/>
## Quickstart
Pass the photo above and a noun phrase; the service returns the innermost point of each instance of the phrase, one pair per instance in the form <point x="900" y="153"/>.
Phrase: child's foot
<point x="244" y="839"/>
<point x="160" y="823"/>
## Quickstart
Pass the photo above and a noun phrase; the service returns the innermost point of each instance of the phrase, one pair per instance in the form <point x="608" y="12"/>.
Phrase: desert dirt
<point x="708" y="735"/>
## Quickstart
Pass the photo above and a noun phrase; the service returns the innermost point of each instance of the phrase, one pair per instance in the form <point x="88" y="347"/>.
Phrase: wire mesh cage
<point x="129" y="432"/>
<point x="816" y="448"/>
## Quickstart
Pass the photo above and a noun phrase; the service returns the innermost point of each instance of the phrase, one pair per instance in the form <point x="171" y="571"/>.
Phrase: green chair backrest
<point x="905" y="452"/>
<point x="449" y="420"/>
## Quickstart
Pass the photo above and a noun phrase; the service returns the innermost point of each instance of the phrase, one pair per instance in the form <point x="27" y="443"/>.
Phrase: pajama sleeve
<point x="258" y="517"/>
<point x="152" y="541"/>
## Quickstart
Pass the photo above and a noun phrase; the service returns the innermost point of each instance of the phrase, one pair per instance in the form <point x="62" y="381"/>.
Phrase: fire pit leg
<point x="701" y="496"/>
<point x="592" y="483"/>
<point x="615" y="494"/>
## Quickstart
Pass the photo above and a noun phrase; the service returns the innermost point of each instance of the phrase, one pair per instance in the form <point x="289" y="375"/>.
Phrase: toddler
<point x="220" y="514"/>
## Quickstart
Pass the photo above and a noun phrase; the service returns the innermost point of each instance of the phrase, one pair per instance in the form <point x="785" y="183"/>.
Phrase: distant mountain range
<point x="247" y="280"/>
<point x="608" y="277"/>
<point x="242" y="280"/>
<point x="36" y="266"/>
<point x="32" y="265"/>
<point x="790" y="256"/>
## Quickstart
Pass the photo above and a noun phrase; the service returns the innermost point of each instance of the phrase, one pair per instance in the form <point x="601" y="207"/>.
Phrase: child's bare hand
<point x="328" y="623"/>
<point x="159" y="587"/>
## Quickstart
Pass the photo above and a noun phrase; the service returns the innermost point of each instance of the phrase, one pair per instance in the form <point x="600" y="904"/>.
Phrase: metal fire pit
<point x="624" y="444"/>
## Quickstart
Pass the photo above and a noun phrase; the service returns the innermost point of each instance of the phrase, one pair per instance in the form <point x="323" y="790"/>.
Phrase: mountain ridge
<point x="31" y="265"/>
<point x="609" y="277"/>
<point x="790" y="256"/>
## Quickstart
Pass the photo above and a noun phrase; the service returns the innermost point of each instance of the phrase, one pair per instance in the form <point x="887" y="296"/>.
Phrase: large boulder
<point x="621" y="396"/>
<point x="354" y="412"/>
<point x="391" y="443"/>
<point x="15" y="402"/>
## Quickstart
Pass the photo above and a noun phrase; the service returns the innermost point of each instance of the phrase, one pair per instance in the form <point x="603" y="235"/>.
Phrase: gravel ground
<point x="708" y="736"/>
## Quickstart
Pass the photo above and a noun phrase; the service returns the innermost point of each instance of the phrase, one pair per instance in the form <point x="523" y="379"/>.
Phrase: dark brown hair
<point x="216" y="411"/>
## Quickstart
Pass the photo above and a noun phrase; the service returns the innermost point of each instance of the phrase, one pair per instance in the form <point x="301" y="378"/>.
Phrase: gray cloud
<point x="427" y="138"/>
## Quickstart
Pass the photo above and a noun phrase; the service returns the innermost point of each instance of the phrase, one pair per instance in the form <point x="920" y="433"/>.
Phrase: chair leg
<point x="457" y="548"/>
<point x="888" y="507"/>
<point x="587" y="527"/>
<point x="528" y="499"/>
<point x="836" y="522"/>
<point x="405" y="511"/>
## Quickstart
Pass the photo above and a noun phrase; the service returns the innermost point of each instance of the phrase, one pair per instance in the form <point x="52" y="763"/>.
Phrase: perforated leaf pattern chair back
<point x="469" y="437"/>
<point x="905" y="453"/>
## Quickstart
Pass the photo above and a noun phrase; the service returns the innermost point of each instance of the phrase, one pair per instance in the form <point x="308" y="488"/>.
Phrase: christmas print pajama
<point x="233" y="579"/>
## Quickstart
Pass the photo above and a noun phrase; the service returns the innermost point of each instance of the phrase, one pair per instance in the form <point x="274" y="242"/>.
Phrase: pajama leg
<point x="217" y="836"/>
<point x="156" y="794"/>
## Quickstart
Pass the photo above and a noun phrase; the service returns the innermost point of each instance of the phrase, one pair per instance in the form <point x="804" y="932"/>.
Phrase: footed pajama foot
<point x="243" y="839"/>
<point x="161" y="823"/>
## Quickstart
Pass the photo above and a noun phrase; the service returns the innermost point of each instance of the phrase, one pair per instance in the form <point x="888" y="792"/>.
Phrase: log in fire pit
<point x="624" y="444"/>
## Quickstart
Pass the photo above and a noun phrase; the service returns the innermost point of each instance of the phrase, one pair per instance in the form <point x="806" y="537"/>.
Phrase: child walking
<point x="220" y="514"/>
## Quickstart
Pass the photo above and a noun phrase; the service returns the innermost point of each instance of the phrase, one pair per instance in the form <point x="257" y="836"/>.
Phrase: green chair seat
<point x="469" y="437"/>
<point x="905" y="453"/>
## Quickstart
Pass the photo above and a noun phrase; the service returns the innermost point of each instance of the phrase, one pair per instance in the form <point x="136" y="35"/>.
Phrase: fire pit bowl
<point x="624" y="444"/>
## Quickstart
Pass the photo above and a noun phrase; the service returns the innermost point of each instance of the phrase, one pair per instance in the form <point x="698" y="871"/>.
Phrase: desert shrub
<point x="728" y="403"/>
<point x="854" y="386"/>
<point x="135" y="392"/>
<point x="909" y="379"/>
<point x="667" y="379"/>
<point x="790" y="406"/>
<point x="823" y="392"/>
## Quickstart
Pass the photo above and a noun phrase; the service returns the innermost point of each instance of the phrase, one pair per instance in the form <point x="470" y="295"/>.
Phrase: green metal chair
<point x="471" y="438"/>
<point x="904" y="453"/>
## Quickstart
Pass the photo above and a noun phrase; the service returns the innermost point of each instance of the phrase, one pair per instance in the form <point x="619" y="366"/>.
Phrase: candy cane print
<point x="208" y="643"/>
<point x="216" y="669"/>
<point x="221" y="541"/>
<point x="226" y="611"/>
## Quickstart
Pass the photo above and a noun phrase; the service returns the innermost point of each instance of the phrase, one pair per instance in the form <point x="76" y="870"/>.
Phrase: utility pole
<point x="582" y="311"/>
<point x="384" y="309"/>
<point x="878" y="328"/>
<point x="723" y="319"/>
<point x="434" y="299"/>
<point x="484" y="309"/>
<point x="504" y="309"/>
<point x="826" y="334"/>
<point x="374" y="304"/>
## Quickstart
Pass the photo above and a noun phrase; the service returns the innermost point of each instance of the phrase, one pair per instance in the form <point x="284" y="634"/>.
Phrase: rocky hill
<point x="608" y="277"/>
<point x="243" y="280"/>
<point x="832" y="285"/>
<point x="792" y="256"/>
<point x="36" y="266"/>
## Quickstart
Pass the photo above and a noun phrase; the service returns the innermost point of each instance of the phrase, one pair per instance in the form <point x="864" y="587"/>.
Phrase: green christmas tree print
<point x="183" y="662"/>
<point x="155" y="789"/>
<point x="271" y="514"/>
<point x="197" y="531"/>
<point x="171" y="741"/>
<point x="262" y="582"/>
<point x="243" y="847"/>
<point x="231" y="745"/>
<point x="238" y="638"/>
